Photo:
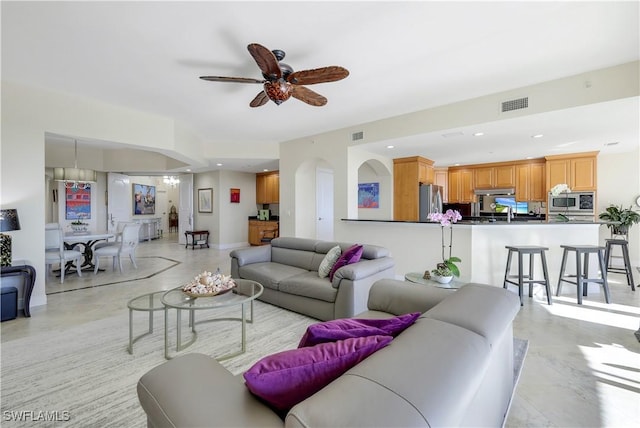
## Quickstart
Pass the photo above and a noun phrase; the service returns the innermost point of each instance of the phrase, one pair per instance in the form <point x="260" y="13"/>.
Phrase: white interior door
<point x="118" y="200"/>
<point x="185" y="206"/>
<point x="324" y="204"/>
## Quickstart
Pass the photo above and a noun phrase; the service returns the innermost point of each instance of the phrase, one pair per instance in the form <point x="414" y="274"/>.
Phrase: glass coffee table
<point x="243" y="294"/>
<point x="417" y="278"/>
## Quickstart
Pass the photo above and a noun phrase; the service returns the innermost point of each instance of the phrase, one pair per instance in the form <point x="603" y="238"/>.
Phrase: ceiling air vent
<point x="357" y="136"/>
<point x="515" y="104"/>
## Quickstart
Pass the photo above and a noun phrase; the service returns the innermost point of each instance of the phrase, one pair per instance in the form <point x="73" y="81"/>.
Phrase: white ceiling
<point x="402" y="57"/>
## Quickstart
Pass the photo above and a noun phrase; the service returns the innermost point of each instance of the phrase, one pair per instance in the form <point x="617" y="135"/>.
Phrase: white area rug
<point x="85" y="373"/>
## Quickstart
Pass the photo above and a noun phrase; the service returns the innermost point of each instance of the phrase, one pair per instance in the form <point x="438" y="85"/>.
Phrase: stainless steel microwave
<point x="573" y="203"/>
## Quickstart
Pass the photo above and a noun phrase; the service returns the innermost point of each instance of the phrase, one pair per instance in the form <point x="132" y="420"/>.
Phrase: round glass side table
<point x="417" y="278"/>
<point x="149" y="302"/>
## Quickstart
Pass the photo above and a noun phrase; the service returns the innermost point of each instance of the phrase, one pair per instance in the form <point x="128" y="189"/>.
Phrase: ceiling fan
<point x="281" y="82"/>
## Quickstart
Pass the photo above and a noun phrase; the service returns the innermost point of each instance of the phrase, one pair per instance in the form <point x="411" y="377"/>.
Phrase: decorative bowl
<point x="79" y="228"/>
<point x="441" y="279"/>
<point x="196" y="295"/>
<point x="208" y="284"/>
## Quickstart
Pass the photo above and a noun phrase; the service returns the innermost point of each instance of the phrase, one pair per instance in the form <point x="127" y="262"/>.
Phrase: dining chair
<point x="56" y="253"/>
<point x="118" y="236"/>
<point x="127" y="246"/>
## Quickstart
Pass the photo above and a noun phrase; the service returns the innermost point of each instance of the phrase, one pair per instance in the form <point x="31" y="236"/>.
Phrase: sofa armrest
<point x="362" y="269"/>
<point x="246" y="256"/>
<point x="401" y="297"/>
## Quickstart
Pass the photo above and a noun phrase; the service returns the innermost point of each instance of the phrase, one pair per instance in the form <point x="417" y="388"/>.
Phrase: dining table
<point x="87" y="240"/>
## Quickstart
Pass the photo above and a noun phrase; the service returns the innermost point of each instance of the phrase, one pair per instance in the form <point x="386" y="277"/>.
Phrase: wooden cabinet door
<point x="523" y="179"/>
<point x="484" y="177"/>
<point x="583" y="174"/>
<point x="272" y="184"/>
<point x="558" y="172"/>
<point x="504" y="176"/>
<point x="441" y="178"/>
<point x="466" y="186"/>
<point x="254" y="232"/>
<point x="454" y="187"/>
<point x="261" y="189"/>
<point x="537" y="188"/>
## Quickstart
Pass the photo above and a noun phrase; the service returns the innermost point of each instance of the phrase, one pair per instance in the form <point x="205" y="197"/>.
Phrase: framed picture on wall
<point x="77" y="202"/>
<point x="205" y="200"/>
<point x="368" y="195"/>
<point x="144" y="199"/>
<point x="234" y="195"/>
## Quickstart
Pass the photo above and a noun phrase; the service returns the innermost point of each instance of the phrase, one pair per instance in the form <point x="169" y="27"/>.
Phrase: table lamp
<point x="8" y="222"/>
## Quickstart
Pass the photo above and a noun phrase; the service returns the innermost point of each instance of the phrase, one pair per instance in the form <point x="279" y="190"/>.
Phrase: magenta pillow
<point x="284" y="379"/>
<point x="348" y="256"/>
<point x="341" y="329"/>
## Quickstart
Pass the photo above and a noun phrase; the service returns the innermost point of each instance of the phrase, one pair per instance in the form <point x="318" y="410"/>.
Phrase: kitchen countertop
<point x="518" y="222"/>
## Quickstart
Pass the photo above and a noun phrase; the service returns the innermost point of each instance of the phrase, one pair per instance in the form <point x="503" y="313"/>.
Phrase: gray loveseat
<point x="288" y="271"/>
<point x="452" y="367"/>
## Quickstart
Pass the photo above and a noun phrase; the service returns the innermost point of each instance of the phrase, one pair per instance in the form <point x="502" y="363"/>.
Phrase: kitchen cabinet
<point x="577" y="170"/>
<point x="408" y="173"/>
<point x="268" y="187"/>
<point x="461" y="186"/>
<point x="491" y="177"/>
<point x="258" y="229"/>
<point x="530" y="182"/>
<point x="441" y="178"/>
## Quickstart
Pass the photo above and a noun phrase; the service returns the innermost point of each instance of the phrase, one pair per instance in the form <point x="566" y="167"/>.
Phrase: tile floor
<point x="582" y="368"/>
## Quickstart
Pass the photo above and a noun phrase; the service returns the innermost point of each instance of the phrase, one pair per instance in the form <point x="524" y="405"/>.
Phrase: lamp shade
<point x="74" y="174"/>
<point x="9" y="220"/>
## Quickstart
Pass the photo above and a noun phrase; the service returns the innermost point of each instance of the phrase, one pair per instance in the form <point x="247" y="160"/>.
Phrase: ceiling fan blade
<point x="318" y="75"/>
<point x="308" y="96"/>
<point x="266" y="60"/>
<point x="260" y="100"/>
<point x="231" y="79"/>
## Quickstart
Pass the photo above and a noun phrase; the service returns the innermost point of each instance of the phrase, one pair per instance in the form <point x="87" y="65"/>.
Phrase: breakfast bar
<point x="417" y="246"/>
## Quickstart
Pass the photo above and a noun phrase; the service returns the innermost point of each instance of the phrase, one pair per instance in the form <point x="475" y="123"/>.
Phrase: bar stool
<point x="627" y="270"/>
<point x="582" y="269"/>
<point x="527" y="279"/>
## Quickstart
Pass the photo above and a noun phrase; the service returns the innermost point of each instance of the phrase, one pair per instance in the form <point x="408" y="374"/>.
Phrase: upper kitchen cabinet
<point x="441" y="178"/>
<point x="461" y="186"/>
<point x="268" y="187"/>
<point x="491" y="177"/>
<point x="530" y="181"/>
<point x="408" y="173"/>
<point x="577" y="170"/>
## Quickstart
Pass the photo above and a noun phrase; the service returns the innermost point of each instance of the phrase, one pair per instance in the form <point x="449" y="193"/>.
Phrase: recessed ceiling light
<point x="188" y="170"/>
<point x="456" y="164"/>
<point x="529" y="157"/>
<point x="537" y="136"/>
<point x="265" y="170"/>
<point x="218" y="164"/>
<point x="390" y="147"/>
<point x="478" y="134"/>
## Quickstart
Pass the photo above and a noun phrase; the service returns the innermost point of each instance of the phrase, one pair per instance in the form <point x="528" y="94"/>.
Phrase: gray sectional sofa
<point x="288" y="271"/>
<point x="452" y="367"/>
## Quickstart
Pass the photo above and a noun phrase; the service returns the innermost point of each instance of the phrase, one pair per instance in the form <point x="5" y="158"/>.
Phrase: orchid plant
<point x="560" y="188"/>
<point x="448" y="265"/>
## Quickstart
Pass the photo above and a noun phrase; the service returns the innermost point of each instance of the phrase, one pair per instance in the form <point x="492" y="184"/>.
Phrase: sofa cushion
<point x="286" y="378"/>
<point x="344" y="328"/>
<point x="309" y="284"/>
<point x="269" y="274"/>
<point x="351" y="255"/>
<point x="329" y="260"/>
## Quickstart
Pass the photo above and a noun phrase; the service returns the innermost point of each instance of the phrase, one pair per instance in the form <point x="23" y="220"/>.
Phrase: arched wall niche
<point x="305" y="196"/>
<point x="374" y="175"/>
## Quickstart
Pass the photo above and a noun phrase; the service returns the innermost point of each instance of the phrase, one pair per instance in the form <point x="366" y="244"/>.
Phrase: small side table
<point x="417" y="278"/>
<point x="149" y="302"/>
<point x="198" y="237"/>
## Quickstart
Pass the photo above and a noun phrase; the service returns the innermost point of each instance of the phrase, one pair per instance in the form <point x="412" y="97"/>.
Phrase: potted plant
<point x="78" y="226"/>
<point x="447" y="269"/>
<point x="621" y="218"/>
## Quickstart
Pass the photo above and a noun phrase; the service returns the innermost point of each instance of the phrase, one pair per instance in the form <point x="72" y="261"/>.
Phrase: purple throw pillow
<point x="341" y="329"/>
<point x="284" y="379"/>
<point x="348" y="256"/>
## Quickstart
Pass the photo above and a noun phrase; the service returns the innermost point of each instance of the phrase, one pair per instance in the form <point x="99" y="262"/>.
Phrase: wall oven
<point x="580" y="203"/>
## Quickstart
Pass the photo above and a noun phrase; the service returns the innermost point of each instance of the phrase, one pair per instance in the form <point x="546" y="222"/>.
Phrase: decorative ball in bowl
<point x="209" y="284"/>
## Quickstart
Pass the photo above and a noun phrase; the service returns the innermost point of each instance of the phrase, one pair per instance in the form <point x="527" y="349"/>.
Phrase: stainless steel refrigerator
<point x="430" y="200"/>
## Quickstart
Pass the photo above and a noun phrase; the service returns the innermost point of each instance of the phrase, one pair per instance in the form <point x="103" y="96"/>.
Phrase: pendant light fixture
<point x="75" y="177"/>
<point x="171" y="181"/>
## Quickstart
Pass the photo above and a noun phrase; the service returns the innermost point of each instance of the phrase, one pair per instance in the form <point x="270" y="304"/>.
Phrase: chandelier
<point x="170" y="180"/>
<point x="75" y="177"/>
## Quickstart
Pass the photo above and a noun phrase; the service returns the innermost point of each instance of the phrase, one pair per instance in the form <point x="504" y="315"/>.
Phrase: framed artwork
<point x="144" y="199"/>
<point x="77" y="202"/>
<point x="368" y="195"/>
<point x="234" y="195"/>
<point x="205" y="200"/>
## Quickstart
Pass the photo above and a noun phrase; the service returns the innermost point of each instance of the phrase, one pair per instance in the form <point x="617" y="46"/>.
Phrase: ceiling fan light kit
<point x="281" y="82"/>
